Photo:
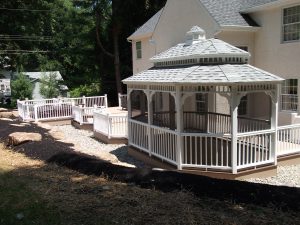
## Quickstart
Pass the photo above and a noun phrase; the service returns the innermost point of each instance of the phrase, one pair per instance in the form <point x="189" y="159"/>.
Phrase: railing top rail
<point x="59" y="99"/>
<point x="288" y="126"/>
<point x="253" y="133"/>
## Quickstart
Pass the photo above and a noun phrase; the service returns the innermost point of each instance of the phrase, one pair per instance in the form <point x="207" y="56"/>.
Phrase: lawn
<point x="32" y="192"/>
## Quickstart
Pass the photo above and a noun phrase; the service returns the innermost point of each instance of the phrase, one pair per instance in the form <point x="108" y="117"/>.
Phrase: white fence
<point x="48" y="109"/>
<point x="112" y="126"/>
<point x="288" y="140"/>
<point x="83" y="115"/>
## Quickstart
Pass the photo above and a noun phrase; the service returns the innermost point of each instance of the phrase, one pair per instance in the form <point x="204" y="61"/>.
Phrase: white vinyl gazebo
<point x="199" y="108"/>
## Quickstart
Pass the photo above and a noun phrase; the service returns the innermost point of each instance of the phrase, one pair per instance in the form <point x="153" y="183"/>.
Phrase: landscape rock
<point x="18" y="138"/>
<point x="8" y="114"/>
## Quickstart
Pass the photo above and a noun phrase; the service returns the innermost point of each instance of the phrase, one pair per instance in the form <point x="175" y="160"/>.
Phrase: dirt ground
<point x="74" y="198"/>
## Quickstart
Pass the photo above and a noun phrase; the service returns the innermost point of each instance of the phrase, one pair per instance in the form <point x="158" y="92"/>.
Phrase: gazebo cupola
<point x="202" y="106"/>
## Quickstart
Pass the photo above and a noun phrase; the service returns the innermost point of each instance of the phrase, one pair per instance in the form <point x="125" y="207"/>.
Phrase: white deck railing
<point x="288" y="140"/>
<point x="112" y="126"/>
<point x="122" y="100"/>
<point x="83" y="115"/>
<point x="48" y="109"/>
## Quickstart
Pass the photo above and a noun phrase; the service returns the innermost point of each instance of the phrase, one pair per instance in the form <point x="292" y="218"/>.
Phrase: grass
<point x="48" y="194"/>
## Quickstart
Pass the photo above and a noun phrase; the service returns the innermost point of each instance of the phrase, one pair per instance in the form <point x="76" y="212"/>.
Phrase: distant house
<point x="5" y="89"/>
<point x="268" y="29"/>
<point x="35" y="78"/>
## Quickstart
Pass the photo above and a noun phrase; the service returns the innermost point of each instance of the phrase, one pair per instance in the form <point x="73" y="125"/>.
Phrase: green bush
<point x="49" y="87"/>
<point x="86" y="90"/>
<point x="21" y="88"/>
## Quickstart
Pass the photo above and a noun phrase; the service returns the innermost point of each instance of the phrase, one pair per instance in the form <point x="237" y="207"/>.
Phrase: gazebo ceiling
<point x="197" y="74"/>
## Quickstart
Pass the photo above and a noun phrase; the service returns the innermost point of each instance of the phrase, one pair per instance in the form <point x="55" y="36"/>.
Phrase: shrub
<point x="49" y="87"/>
<point x="21" y="88"/>
<point x="86" y="90"/>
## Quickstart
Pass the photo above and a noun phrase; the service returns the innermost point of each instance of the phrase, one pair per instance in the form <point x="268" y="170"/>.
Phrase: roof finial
<point x="195" y="35"/>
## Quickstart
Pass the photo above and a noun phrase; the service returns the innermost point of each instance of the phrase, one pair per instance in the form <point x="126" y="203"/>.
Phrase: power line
<point x="5" y="52"/>
<point x="24" y="9"/>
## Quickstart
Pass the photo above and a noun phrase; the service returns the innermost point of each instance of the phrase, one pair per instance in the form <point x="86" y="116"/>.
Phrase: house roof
<point x="35" y="76"/>
<point x="148" y="27"/>
<point x="225" y="12"/>
<point x="39" y="75"/>
<point x="204" y="48"/>
<point x="198" y="74"/>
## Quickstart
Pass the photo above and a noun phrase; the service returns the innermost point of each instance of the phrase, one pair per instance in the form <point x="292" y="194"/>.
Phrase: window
<point x="242" y="110"/>
<point x="291" y="23"/>
<point x="289" y="95"/>
<point x="138" y="50"/>
<point x="201" y="102"/>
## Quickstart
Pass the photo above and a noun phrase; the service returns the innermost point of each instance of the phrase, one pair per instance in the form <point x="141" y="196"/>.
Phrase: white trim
<point x="239" y="28"/>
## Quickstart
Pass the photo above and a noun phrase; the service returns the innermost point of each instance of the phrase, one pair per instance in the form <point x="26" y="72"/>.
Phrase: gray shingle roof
<point x="225" y="12"/>
<point x="203" y="48"/>
<point x="228" y="12"/>
<point x="149" y="26"/>
<point x="204" y="75"/>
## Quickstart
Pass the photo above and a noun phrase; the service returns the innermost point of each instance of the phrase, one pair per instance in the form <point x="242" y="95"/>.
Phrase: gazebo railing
<point x="207" y="151"/>
<point x="254" y="149"/>
<point x="204" y="150"/>
<point x="164" y="144"/>
<point x="208" y="122"/>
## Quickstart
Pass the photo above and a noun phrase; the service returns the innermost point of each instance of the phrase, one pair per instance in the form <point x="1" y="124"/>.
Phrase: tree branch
<point x="99" y="40"/>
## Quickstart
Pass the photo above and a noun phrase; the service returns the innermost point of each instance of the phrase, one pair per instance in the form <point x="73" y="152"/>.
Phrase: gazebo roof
<point x="197" y="74"/>
<point x="202" y="61"/>
<point x="202" y="48"/>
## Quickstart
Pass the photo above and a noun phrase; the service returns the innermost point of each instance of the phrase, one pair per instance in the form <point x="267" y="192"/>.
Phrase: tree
<point x="49" y="85"/>
<point x="21" y="88"/>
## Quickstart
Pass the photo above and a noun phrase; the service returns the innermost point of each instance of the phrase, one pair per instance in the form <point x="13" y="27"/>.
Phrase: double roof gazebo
<point x="195" y="108"/>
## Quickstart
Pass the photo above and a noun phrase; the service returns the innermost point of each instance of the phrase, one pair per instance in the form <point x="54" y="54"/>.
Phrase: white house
<point x="268" y="29"/>
<point x="35" y="79"/>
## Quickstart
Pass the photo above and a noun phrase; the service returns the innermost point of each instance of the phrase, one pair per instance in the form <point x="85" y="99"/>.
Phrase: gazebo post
<point x="274" y="124"/>
<point x="129" y="113"/>
<point x="150" y="119"/>
<point x="179" y="127"/>
<point x="234" y="131"/>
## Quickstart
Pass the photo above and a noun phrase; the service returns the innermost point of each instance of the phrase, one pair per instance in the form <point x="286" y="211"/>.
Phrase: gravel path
<point x="286" y="175"/>
<point x="87" y="144"/>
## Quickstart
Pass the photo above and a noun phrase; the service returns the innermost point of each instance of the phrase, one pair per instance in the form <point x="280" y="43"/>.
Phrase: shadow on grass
<point x="50" y="194"/>
<point x="235" y="191"/>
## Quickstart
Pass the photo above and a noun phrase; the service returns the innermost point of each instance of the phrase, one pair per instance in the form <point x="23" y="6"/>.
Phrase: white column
<point x="234" y="131"/>
<point x="179" y="118"/>
<point x="274" y="124"/>
<point x="150" y="116"/>
<point x="129" y="115"/>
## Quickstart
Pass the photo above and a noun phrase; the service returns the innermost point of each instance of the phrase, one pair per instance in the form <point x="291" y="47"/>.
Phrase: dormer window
<point x="291" y="24"/>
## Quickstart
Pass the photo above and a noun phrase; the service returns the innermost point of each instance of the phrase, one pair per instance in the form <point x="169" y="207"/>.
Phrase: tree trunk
<point x="117" y="61"/>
